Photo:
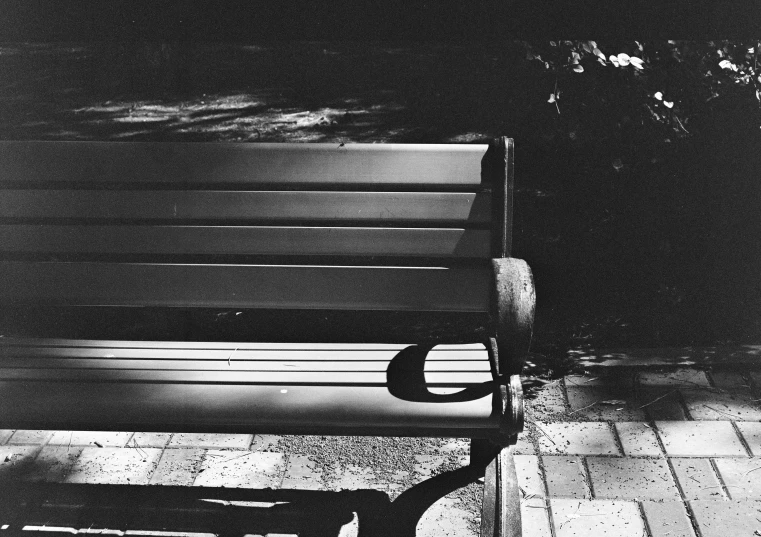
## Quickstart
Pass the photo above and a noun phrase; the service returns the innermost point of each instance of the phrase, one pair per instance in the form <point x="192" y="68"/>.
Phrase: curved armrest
<point x="513" y="306"/>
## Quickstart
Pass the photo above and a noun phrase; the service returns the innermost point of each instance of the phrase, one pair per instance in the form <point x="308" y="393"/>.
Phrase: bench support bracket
<point x="513" y="306"/>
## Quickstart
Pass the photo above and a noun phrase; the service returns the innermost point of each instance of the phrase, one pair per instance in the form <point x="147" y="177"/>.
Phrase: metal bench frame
<point x="95" y="209"/>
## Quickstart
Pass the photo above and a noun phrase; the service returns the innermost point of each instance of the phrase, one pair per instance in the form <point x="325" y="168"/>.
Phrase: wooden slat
<point x="276" y="409"/>
<point x="228" y="346"/>
<point x="355" y="354"/>
<point x="182" y="163"/>
<point x="245" y="240"/>
<point x="270" y="206"/>
<point x="235" y="364"/>
<point x="245" y="286"/>
<point x="358" y="378"/>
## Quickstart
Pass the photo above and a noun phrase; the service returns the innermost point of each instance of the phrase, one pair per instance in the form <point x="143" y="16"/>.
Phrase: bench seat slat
<point x="245" y="286"/>
<point x="281" y="207"/>
<point x="245" y="240"/>
<point x="219" y="376"/>
<point x="351" y="356"/>
<point x="235" y="364"/>
<point x="220" y="408"/>
<point x="110" y="345"/>
<point x="182" y="163"/>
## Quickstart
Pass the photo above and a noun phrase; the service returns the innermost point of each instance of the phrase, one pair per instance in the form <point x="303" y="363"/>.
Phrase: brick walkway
<point x="615" y="453"/>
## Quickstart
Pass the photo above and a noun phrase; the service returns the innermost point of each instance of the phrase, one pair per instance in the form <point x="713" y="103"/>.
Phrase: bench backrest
<point x="223" y="225"/>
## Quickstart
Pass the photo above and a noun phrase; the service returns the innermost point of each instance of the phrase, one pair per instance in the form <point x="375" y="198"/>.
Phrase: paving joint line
<point x="693" y="519"/>
<point x="546" y="499"/>
<point x="720" y="479"/>
<point x="198" y="467"/>
<point x="616" y="438"/>
<point x="743" y="441"/>
<point x="641" y="509"/>
<point x="587" y="475"/>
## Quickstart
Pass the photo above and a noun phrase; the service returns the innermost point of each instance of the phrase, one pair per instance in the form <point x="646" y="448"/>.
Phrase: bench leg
<point x="501" y="512"/>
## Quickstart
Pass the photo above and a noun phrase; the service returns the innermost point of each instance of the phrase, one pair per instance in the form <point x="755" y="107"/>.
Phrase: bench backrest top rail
<point x="181" y="163"/>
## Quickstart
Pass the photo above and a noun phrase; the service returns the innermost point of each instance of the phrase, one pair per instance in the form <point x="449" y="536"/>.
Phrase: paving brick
<point x="638" y="439"/>
<point x="751" y="431"/>
<point x="16" y="460"/>
<point x="90" y="438"/>
<point x="241" y="469"/>
<point x="663" y="404"/>
<point x="697" y="479"/>
<point x="5" y="435"/>
<point x="524" y="445"/>
<point x="120" y="466"/>
<point x="29" y="437"/>
<point x="577" y="438"/>
<point x="667" y="519"/>
<point x="742" y="477"/>
<point x="303" y="474"/>
<point x="601" y="403"/>
<point x="565" y="476"/>
<point x="572" y="518"/>
<point x="53" y="464"/>
<point x="445" y="517"/>
<point x="266" y="442"/>
<point x="535" y="518"/>
<point x="529" y="475"/>
<point x="177" y="467"/>
<point x="706" y="405"/>
<point x="157" y="440"/>
<point x="211" y="441"/>
<point x="549" y="400"/>
<point x="350" y="529"/>
<point x="613" y="379"/>
<point x="719" y="519"/>
<point x="679" y="377"/>
<point x="732" y="381"/>
<point x="699" y="439"/>
<point x="631" y="479"/>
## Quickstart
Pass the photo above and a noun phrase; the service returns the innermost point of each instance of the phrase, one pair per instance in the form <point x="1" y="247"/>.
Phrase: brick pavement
<point x="617" y="452"/>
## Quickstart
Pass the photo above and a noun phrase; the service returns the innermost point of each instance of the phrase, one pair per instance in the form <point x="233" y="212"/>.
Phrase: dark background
<point x="640" y="232"/>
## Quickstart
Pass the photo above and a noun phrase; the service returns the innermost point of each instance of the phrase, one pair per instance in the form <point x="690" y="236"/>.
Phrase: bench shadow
<point x="53" y="509"/>
<point x="405" y="378"/>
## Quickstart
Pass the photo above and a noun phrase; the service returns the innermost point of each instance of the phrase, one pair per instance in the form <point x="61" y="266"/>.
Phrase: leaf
<point x="623" y="59"/>
<point x="578" y="69"/>
<point x="552" y="98"/>
<point x="597" y="52"/>
<point x="668" y="104"/>
<point x="658" y="95"/>
<point x="614" y="60"/>
<point x="637" y="63"/>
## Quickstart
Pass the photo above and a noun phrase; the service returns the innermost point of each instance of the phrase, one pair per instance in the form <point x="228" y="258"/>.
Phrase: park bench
<point x="334" y="229"/>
